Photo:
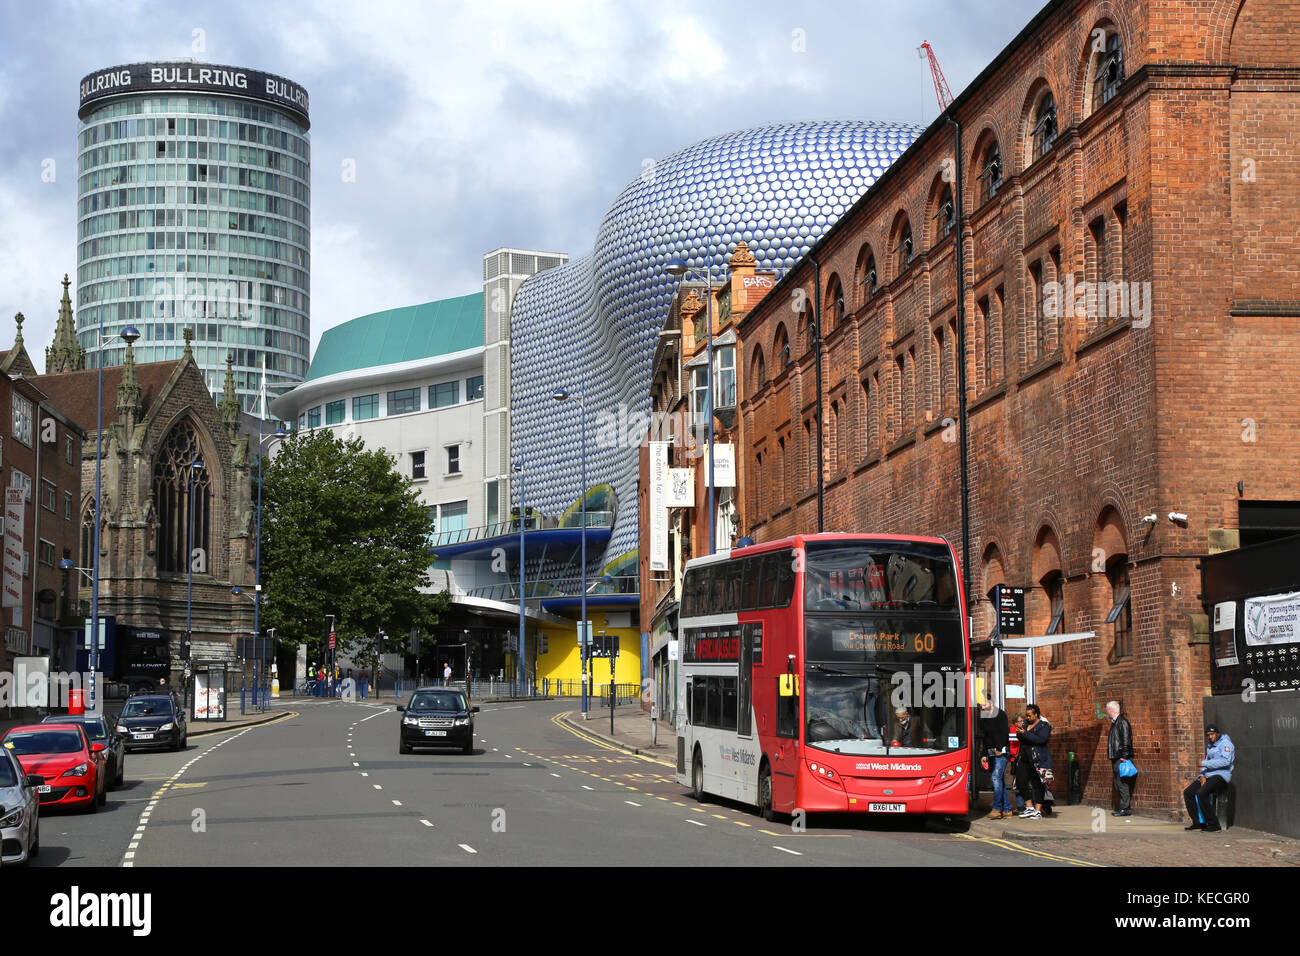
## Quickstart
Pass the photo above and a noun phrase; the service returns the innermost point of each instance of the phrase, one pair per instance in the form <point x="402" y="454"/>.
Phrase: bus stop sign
<point x="1010" y="603"/>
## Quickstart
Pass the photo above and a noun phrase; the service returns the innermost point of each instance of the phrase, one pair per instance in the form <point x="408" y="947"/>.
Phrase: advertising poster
<point x="658" y="506"/>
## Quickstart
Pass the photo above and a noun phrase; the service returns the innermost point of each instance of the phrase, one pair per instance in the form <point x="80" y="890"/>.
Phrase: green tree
<point x="343" y="533"/>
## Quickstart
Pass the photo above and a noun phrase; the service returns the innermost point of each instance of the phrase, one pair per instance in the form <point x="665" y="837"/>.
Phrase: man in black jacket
<point x="1119" y="746"/>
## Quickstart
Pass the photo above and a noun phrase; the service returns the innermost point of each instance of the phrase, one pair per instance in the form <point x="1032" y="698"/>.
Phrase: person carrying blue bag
<point x="1119" y="749"/>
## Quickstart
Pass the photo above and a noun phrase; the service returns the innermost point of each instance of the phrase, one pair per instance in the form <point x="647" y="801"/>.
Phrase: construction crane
<point x="941" y="91"/>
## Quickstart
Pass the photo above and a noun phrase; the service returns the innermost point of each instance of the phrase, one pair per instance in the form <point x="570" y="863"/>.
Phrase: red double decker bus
<point x="827" y="672"/>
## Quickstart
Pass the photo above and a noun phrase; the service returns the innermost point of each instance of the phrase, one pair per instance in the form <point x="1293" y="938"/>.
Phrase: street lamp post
<point x="584" y="639"/>
<point x="678" y="267"/>
<point x="129" y="335"/>
<point x="195" y="465"/>
<point x="257" y="600"/>
<point x="523" y="518"/>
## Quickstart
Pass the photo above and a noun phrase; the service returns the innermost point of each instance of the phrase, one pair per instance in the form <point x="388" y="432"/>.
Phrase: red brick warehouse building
<point x="1151" y="146"/>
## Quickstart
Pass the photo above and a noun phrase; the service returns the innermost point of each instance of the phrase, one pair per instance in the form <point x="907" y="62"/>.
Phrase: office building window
<point x="365" y="407"/>
<point x="67" y="506"/>
<point x="49" y="495"/>
<point x="404" y="400"/>
<point x="453" y="459"/>
<point x="473" y="388"/>
<point x="68" y="448"/>
<point x="417" y="464"/>
<point x="313" y="417"/>
<point x="334" y="412"/>
<point x="444" y="394"/>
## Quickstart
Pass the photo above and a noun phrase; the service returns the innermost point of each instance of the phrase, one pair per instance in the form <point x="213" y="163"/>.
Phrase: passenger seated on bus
<point x="904" y="729"/>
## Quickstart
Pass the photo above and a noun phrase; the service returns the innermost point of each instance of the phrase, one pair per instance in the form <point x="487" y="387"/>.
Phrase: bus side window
<point x="784" y="590"/>
<point x="690" y="709"/>
<point x="700" y="697"/>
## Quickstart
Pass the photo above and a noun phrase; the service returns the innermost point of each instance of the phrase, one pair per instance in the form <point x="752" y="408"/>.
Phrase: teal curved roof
<point x="400" y="335"/>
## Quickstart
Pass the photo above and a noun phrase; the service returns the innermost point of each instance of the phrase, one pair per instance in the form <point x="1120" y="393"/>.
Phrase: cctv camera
<point x="1177" y="517"/>
<point x="1150" y="519"/>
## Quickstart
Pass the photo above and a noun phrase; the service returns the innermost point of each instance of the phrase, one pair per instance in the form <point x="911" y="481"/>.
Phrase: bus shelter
<point x="209" y="690"/>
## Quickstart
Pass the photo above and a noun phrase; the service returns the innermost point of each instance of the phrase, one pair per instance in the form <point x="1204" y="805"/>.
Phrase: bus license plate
<point x="435" y="733"/>
<point x="887" y="808"/>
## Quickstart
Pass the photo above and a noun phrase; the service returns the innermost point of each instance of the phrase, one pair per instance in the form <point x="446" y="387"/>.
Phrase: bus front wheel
<point x="697" y="777"/>
<point x="765" y="794"/>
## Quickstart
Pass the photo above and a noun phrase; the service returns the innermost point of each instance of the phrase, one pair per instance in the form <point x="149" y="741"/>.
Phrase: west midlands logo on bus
<point x="738" y="755"/>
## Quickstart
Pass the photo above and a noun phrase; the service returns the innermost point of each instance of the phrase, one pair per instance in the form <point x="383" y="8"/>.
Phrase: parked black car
<point x="437" y="717"/>
<point x="101" y="730"/>
<point x="152" y="720"/>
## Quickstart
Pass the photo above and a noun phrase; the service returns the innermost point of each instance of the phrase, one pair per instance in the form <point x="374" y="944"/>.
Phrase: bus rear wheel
<point x="697" y="777"/>
<point x="765" y="794"/>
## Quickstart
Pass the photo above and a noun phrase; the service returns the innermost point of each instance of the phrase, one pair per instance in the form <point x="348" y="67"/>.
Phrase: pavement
<point x="1072" y="831"/>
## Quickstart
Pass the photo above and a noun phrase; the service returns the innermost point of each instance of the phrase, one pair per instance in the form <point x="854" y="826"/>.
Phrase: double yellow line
<point x="559" y="721"/>
<point x="1017" y="848"/>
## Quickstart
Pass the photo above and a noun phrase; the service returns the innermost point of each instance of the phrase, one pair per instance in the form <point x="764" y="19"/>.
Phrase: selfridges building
<point x="779" y="188"/>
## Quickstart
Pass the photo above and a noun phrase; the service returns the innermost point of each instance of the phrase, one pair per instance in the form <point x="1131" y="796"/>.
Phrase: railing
<point x="534" y="522"/>
<point x="536" y="590"/>
<point x="488" y="687"/>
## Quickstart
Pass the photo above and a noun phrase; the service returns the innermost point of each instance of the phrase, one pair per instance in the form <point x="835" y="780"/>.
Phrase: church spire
<point x="66" y="354"/>
<point x="129" y="396"/>
<point x="230" y="407"/>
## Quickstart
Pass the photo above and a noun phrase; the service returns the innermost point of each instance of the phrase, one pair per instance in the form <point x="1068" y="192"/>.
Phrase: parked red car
<point x="74" y="768"/>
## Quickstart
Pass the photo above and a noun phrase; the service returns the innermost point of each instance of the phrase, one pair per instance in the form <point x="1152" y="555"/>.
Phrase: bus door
<point x="785" y="760"/>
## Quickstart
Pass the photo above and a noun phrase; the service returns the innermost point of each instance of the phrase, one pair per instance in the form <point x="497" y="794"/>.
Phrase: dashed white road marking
<point x="631" y="803"/>
<point x="784" y="850"/>
<point x="585" y="787"/>
<point x="697" y="823"/>
<point x="426" y="823"/>
<point x="397" y="803"/>
<point x="467" y="848"/>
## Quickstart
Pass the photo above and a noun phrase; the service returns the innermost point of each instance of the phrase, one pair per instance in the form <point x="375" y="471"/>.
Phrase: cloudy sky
<point x="469" y="125"/>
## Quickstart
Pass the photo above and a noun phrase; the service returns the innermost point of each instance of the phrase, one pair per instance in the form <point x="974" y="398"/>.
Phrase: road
<point x="325" y="786"/>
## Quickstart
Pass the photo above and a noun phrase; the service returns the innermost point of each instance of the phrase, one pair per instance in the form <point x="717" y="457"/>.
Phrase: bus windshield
<point x="869" y="575"/>
<point x="881" y="711"/>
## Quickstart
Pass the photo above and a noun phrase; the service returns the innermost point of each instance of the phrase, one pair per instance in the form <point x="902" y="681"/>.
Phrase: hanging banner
<point x="681" y="487"/>
<point x="15" y="515"/>
<point x="724" y="466"/>
<point x="658" y="516"/>
<point x="1269" y="620"/>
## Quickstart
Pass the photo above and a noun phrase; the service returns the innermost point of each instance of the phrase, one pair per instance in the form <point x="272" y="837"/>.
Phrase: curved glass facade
<point x="194" y="210"/>
<point x="779" y="188"/>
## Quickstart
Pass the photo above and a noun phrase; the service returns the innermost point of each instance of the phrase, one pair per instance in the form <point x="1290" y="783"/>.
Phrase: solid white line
<point x="633" y="804"/>
<point x="697" y="823"/>
<point x="784" y="850"/>
<point x="467" y="848"/>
